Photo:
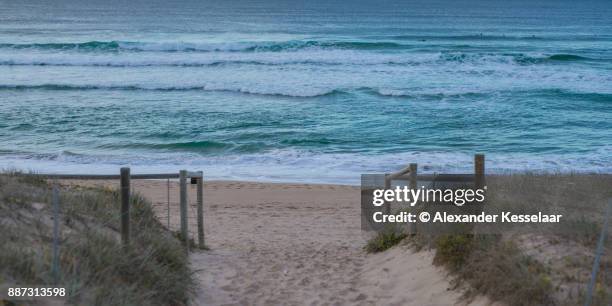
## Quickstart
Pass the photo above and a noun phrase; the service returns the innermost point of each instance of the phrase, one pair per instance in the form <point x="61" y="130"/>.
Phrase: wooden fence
<point x="410" y="174"/>
<point x="125" y="178"/>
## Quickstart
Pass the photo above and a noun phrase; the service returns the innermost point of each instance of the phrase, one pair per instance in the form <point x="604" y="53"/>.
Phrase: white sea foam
<point x="308" y="56"/>
<point x="304" y="80"/>
<point x="304" y="166"/>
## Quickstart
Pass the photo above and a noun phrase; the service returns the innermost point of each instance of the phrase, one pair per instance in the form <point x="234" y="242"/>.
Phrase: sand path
<point x="296" y="244"/>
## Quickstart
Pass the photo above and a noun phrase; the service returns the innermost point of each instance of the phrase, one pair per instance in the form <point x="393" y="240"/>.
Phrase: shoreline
<point x="293" y="166"/>
<point x="356" y="182"/>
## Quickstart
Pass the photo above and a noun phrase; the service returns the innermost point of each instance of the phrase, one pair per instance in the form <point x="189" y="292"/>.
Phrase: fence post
<point x="183" y="206"/>
<point x="168" y="201"/>
<point x="413" y="185"/>
<point x="387" y="186"/>
<point x="599" y="250"/>
<point x="479" y="170"/>
<point x="125" y="206"/>
<point x="413" y="176"/>
<point x="55" y="265"/>
<point x="201" y="210"/>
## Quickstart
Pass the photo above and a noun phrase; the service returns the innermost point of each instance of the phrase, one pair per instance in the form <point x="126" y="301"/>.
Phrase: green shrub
<point x="384" y="240"/>
<point x="453" y="250"/>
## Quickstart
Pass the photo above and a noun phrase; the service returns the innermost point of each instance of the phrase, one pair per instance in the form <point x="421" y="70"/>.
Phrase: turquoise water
<point x="317" y="91"/>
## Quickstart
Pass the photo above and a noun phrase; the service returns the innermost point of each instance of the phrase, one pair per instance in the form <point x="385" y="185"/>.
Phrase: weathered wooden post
<point x="125" y="206"/>
<point x="413" y="176"/>
<point x="479" y="170"/>
<point x="201" y="210"/>
<point x="55" y="264"/>
<point x="413" y="185"/>
<point x="168" y="201"/>
<point x="387" y="186"/>
<point x="598" y="252"/>
<point x="183" y="206"/>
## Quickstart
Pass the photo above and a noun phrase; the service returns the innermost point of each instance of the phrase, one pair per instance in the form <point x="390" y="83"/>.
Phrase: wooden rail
<point x="410" y="174"/>
<point x="151" y="176"/>
<point x="125" y="177"/>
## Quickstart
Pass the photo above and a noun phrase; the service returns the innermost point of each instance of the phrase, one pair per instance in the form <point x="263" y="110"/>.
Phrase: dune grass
<point x="384" y="240"/>
<point x="94" y="266"/>
<point x="495" y="268"/>
<point x="529" y="265"/>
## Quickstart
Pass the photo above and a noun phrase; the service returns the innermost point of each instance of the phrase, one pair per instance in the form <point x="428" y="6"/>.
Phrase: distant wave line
<point x="419" y="59"/>
<point x="499" y="37"/>
<point x="185" y="46"/>
<point x="389" y="43"/>
<point x="168" y="88"/>
<point x="315" y="93"/>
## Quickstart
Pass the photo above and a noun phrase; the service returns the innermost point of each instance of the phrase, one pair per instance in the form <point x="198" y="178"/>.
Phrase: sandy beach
<point x="295" y="244"/>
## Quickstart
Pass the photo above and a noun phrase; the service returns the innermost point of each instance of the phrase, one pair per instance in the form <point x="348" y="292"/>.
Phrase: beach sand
<point x="295" y="244"/>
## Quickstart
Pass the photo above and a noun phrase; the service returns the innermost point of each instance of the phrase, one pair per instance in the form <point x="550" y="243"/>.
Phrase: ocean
<point x="305" y="91"/>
